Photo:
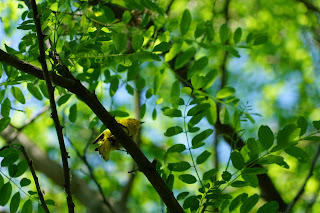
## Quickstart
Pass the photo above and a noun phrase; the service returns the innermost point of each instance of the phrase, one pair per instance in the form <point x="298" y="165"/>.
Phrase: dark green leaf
<point x="249" y="203"/>
<point x="5" y="108"/>
<point x="179" y="167"/>
<point x="249" y="38"/>
<point x="201" y="136"/>
<point x="286" y="136"/>
<point x="177" y="148"/>
<point x="154" y="114"/>
<point x="312" y="138"/>
<point x="34" y="91"/>
<point x="198" y="109"/>
<point x="18" y="95"/>
<point x="266" y="137"/>
<point x="130" y="89"/>
<point x="198" y="82"/>
<point x="191" y="202"/>
<point x="203" y="157"/>
<point x="255" y="171"/>
<point x="210" y="31"/>
<point x="210" y="174"/>
<point x="12" y="170"/>
<point x="137" y="42"/>
<point x="237" y="201"/>
<point x="50" y="202"/>
<point x="237" y="160"/>
<point x="119" y="113"/>
<point x="198" y="66"/>
<point x="73" y="113"/>
<point x="1" y="181"/>
<point x="226" y="175"/>
<point x="40" y="209"/>
<point x="5" y="193"/>
<point x="27" y="207"/>
<point x="200" y="29"/>
<point x="93" y="122"/>
<point x="143" y="110"/>
<point x="224" y="33"/>
<point x="133" y="71"/>
<point x="63" y="99"/>
<point x="239" y="184"/>
<point x="114" y="85"/>
<point x="196" y="119"/>
<point x="170" y="181"/>
<point x="273" y="159"/>
<point x="9" y="159"/>
<point x="120" y="41"/>
<point x="185" y="22"/>
<point x="163" y="47"/>
<point x="25" y="182"/>
<point x="316" y="125"/>
<point x="14" y="203"/>
<point x="303" y="125"/>
<point x="4" y="122"/>
<point x="270" y="207"/>
<point x="126" y="17"/>
<point x="237" y="35"/>
<point x="172" y="113"/>
<point x="184" y="58"/>
<point x="21" y="168"/>
<point x="260" y="39"/>
<point x="173" y="131"/>
<point x="297" y="152"/>
<point x="252" y="180"/>
<point x="253" y="147"/>
<point x="182" y="195"/>
<point x="189" y="179"/>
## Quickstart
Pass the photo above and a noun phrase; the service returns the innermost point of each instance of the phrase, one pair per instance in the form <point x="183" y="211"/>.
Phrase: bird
<point x="108" y="142"/>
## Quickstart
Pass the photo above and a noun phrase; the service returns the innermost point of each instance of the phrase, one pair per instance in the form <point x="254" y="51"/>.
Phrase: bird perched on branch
<point x="107" y="141"/>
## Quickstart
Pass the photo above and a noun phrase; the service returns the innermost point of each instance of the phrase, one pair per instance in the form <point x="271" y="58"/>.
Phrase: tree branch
<point x="54" y="114"/>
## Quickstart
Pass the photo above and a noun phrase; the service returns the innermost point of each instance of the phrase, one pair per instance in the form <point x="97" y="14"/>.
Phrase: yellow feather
<point x="108" y="142"/>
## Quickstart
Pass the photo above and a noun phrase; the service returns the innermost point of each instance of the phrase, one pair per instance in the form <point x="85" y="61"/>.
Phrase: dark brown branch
<point x="108" y="120"/>
<point x="310" y="173"/>
<point x="64" y="154"/>
<point x="34" y="175"/>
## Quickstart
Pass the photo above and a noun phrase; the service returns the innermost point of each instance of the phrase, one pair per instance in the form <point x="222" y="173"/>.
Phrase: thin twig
<point x="310" y="173"/>
<point x="54" y="114"/>
<point x="34" y="175"/>
<point x="92" y="176"/>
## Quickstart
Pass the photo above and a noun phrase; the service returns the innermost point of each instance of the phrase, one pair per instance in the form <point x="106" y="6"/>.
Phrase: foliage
<point x="188" y="76"/>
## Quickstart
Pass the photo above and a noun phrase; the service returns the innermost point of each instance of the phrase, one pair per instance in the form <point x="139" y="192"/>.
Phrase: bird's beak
<point x="141" y="122"/>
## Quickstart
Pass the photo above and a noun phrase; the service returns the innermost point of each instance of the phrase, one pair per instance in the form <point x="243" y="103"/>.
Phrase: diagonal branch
<point x="145" y="166"/>
<point x="54" y="114"/>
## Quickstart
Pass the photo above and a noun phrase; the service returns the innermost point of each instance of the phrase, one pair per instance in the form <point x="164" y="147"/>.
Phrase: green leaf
<point x="316" y="125"/>
<point x="9" y="159"/>
<point x="312" y="138"/>
<point x="186" y="90"/>
<point x="191" y="202"/>
<point x="224" y="33"/>
<point x="266" y="137"/>
<point x="34" y="91"/>
<point x="177" y="148"/>
<point x="73" y="113"/>
<point x="210" y="31"/>
<point x="25" y="182"/>
<point x="200" y="29"/>
<point x="137" y="42"/>
<point x="179" y="167"/>
<point x="18" y="95"/>
<point x="172" y="113"/>
<point x="203" y="157"/>
<point x="198" y="81"/>
<point x="226" y="175"/>
<point x="5" y="108"/>
<point x="27" y="207"/>
<point x="12" y="170"/>
<point x="298" y="153"/>
<point x="303" y="125"/>
<point x="249" y="38"/>
<point x="143" y="110"/>
<point x="93" y="122"/>
<point x="237" y="201"/>
<point x="114" y="85"/>
<point x="21" y="168"/>
<point x="119" y="113"/>
<point x="14" y="203"/>
<point x="154" y="114"/>
<point x="44" y="90"/>
<point x="210" y="78"/>
<point x="184" y="58"/>
<point x="185" y="22"/>
<point x="201" y="136"/>
<point x="198" y="109"/>
<point x="225" y="92"/>
<point x="196" y="119"/>
<point x="163" y="47"/>
<point x="238" y="184"/>
<point x="210" y="174"/>
<point x="197" y="66"/>
<point x="260" y="39"/>
<point x="273" y="159"/>
<point x="253" y="148"/>
<point x="252" y="180"/>
<point x="175" y="49"/>
<point x="182" y="195"/>
<point x="175" y="130"/>
<point x="126" y="17"/>
<point x="120" y="41"/>
<point x="188" y="179"/>
<point x="4" y="122"/>
<point x="63" y="99"/>
<point x="5" y="193"/>
<point x="169" y="181"/>
<point x="270" y="207"/>
<point x="1" y="181"/>
<point x="249" y="203"/>
<point x="237" y="160"/>
<point x="40" y="209"/>
<point x="237" y="35"/>
<point x="254" y="171"/>
<point x="50" y="202"/>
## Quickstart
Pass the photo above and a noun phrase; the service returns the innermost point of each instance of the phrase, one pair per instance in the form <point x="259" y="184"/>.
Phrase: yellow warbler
<point x="108" y="142"/>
